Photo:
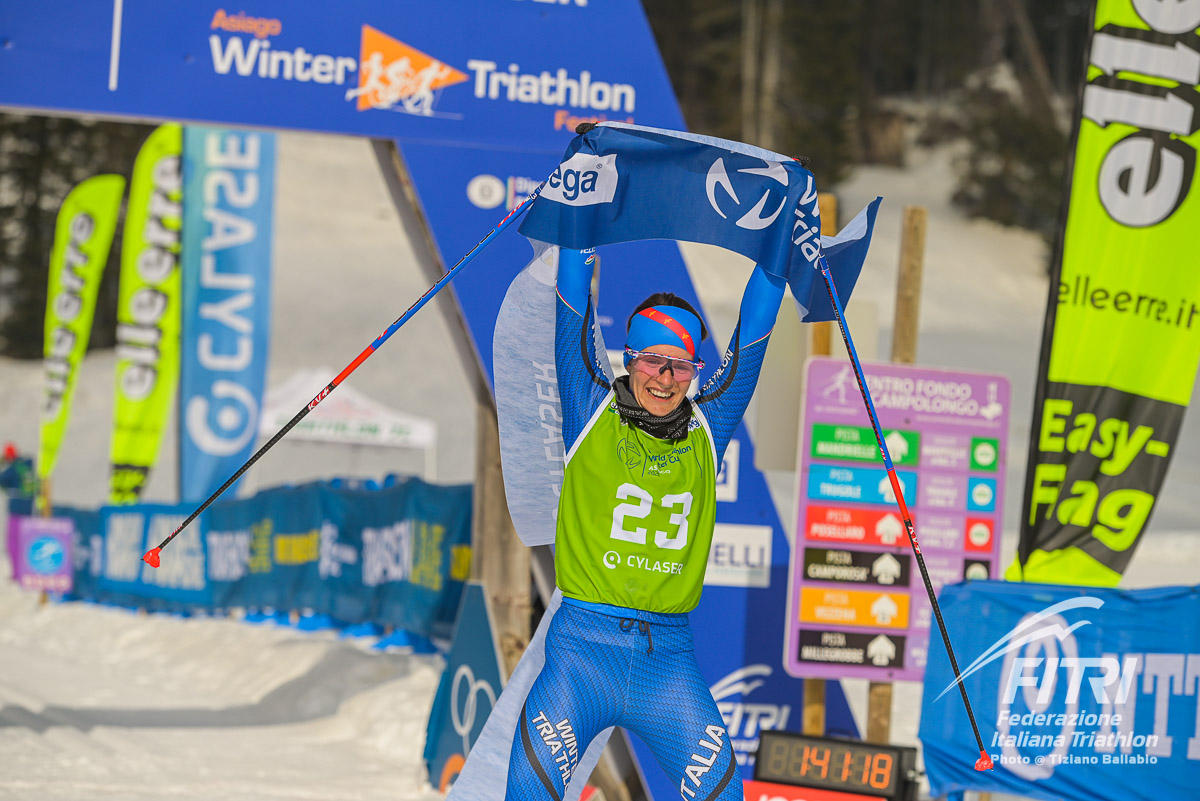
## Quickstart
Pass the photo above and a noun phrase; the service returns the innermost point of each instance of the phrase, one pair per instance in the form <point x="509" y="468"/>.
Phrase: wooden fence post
<point x="904" y="351"/>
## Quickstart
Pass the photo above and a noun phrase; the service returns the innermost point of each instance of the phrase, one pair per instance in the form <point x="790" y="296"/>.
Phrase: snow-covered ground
<point x="99" y="703"/>
<point x="105" y="703"/>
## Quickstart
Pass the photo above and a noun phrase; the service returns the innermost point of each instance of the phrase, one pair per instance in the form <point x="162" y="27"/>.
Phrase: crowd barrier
<point x="394" y="556"/>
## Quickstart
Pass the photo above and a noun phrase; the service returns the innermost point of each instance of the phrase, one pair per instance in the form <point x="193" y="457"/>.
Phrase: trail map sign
<point x="856" y="605"/>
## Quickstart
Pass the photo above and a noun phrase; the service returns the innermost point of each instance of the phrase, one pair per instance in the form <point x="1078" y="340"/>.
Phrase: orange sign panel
<point x="854" y="607"/>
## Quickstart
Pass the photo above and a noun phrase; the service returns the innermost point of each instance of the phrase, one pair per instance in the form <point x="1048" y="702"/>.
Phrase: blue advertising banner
<point x="396" y="556"/>
<point x="514" y="73"/>
<point x="466" y="693"/>
<point x="130" y="531"/>
<point x="1080" y="695"/>
<point x="228" y="194"/>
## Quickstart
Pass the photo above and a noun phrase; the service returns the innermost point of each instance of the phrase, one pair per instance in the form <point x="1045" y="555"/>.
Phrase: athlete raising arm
<point x="635" y="524"/>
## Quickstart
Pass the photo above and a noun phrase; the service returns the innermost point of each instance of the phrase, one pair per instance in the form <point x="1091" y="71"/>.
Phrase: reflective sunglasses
<point x="657" y="364"/>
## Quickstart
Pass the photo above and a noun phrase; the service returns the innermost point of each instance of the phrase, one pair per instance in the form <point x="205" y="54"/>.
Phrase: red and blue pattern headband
<point x="664" y="325"/>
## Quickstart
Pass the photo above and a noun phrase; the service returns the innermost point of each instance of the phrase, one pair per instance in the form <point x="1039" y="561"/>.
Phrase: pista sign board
<point x="857" y="607"/>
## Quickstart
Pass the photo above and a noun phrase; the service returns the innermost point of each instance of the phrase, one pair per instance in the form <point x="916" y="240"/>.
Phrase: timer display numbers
<point x="846" y="765"/>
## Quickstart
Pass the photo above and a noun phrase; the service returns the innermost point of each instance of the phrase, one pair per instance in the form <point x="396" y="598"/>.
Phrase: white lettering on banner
<point x="545" y="381"/>
<point x="138" y="342"/>
<point x="123" y="546"/>
<point x="333" y="554"/>
<point x="1146" y="175"/>
<point x="740" y="556"/>
<point x="1043" y="678"/>
<point x="745" y="720"/>
<point x="67" y="305"/>
<point x="550" y="89"/>
<point x="228" y="555"/>
<point x="583" y="180"/>
<point x="387" y="554"/>
<point x="806" y="230"/>
<point x="223" y="429"/>
<point x="257" y="58"/>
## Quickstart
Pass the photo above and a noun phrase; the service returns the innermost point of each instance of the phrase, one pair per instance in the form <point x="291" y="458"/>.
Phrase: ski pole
<point x="152" y="557"/>
<point x="984" y="762"/>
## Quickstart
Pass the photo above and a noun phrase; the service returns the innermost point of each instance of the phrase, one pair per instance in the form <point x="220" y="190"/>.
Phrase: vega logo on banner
<point x="229" y="179"/>
<point x="148" y="313"/>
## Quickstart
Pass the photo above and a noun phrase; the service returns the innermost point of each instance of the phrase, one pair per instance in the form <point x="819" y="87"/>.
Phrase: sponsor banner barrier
<point x="508" y="74"/>
<point x="40" y="552"/>
<point x="228" y="185"/>
<point x="1080" y="695"/>
<point x="396" y="556"/>
<point x="1121" y="340"/>
<point x="148" y="313"/>
<point x="857" y="605"/>
<point x="83" y="234"/>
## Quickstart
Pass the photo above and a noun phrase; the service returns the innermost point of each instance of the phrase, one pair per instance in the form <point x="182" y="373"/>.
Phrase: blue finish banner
<point x="1080" y="695"/>
<point x="515" y="73"/>
<point x="396" y="556"/>
<point x="229" y="185"/>
<point x="622" y="183"/>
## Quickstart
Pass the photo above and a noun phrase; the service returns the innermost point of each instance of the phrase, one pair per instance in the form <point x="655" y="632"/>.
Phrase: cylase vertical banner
<point x="83" y="235"/>
<point x="228" y="184"/>
<point x="1122" y="335"/>
<point x="148" y="313"/>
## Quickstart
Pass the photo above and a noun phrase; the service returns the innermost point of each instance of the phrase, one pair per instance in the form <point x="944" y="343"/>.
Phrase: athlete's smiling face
<point x="660" y="393"/>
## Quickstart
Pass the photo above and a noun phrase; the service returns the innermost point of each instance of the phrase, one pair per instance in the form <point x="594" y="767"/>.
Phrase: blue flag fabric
<point x="621" y="183"/>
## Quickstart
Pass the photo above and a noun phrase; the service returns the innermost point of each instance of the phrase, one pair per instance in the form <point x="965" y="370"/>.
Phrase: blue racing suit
<point x="611" y="665"/>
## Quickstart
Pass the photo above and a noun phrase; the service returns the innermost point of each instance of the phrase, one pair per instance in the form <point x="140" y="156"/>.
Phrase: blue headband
<point x="664" y="325"/>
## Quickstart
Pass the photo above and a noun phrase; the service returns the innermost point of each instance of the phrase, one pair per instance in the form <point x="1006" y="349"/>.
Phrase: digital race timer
<point x="848" y="766"/>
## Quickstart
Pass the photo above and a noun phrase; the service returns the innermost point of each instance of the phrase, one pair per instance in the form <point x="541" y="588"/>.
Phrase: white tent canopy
<point x="346" y="416"/>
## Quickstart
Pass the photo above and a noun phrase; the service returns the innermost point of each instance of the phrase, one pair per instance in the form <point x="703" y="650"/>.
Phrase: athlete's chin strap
<point x="643" y="628"/>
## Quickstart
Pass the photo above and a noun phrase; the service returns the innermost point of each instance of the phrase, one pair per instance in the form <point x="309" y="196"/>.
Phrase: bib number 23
<point x="638" y="505"/>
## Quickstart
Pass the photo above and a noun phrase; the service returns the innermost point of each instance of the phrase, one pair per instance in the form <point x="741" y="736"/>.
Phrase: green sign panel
<point x="857" y="444"/>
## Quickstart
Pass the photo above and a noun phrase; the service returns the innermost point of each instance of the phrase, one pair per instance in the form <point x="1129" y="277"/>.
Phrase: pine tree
<point x="41" y="161"/>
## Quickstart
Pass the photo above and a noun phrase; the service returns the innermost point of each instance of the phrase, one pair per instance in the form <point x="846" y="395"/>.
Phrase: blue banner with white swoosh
<point x="622" y="183"/>
<point x="1081" y="694"/>
<point x="228" y="197"/>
